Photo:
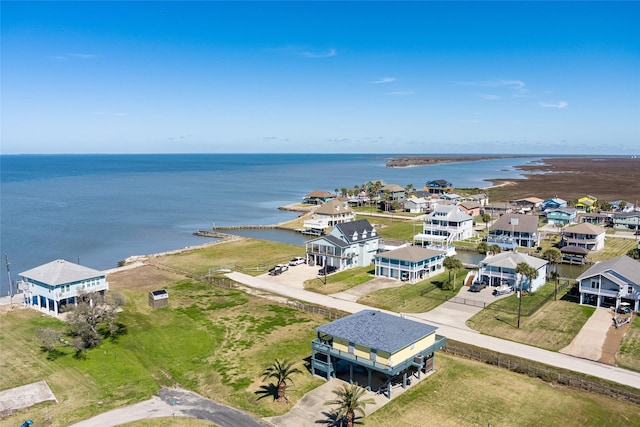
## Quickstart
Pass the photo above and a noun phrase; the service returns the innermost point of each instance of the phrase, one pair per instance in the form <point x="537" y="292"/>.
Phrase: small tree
<point x="281" y="370"/>
<point x="93" y="311"/>
<point x="495" y="249"/>
<point x="350" y="400"/>
<point x="482" y="248"/>
<point x="451" y="263"/>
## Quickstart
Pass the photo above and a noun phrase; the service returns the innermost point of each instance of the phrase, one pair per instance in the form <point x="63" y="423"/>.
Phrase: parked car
<point x="327" y="270"/>
<point x="297" y="261"/>
<point x="278" y="269"/>
<point x="477" y="286"/>
<point x="274" y="271"/>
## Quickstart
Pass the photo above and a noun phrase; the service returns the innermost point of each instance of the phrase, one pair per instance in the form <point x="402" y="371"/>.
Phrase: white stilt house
<point x="52" y="286"/>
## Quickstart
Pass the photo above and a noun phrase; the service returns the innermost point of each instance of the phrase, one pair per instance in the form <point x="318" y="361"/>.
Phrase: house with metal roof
<point x="52" y="286"/>
<point x="513" y="230"/>
<point x="626" y="221"/>
<point x="349" y="244"/>
<point x="328" y="215"/>
<point x="445" y="225"/>
<point x="587" y="204"/>
<point x="318" y="197"/>
<point x="610" y="283"/>
<point x="384" y="349"/>
<point x="561" y="216"/>
<point x="409" y="263"/>
<point x="553" y="203"/>
<point x="500" y="269"/>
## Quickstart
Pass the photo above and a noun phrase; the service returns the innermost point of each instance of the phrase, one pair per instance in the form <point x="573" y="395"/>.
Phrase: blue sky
<point x="359" y="77"/>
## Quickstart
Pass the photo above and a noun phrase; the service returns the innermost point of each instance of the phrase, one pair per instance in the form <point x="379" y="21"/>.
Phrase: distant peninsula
<point x="410" y="161"/>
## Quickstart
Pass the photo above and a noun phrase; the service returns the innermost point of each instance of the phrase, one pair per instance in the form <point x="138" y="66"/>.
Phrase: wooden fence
<point x="544" y="372"/>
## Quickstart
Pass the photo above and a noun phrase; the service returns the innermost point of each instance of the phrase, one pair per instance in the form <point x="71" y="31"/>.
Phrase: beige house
<point x="330" y="214"/>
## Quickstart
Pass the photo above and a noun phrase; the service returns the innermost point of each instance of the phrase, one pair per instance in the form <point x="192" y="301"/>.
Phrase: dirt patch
<point x="607" y="178"/>
<point x="24" y="397"/>
<point x="143" y="279"/>
<point x="612" y="343"/>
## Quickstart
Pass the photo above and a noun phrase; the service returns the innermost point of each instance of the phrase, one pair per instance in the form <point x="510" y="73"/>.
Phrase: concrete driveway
<point x="589" y="341"/>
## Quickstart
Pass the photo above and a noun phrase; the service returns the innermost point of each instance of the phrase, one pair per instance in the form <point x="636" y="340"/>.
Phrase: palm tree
<point x="482" y="248"/>
<point x="486" y="218"/>
<point x="451" y="263"/>
<point x="349" y="399"/>
<point x="495" y="249"/>
<point x="525" y="270"/>
<point x="281" y="370"/>
<point x="553" y="255"/>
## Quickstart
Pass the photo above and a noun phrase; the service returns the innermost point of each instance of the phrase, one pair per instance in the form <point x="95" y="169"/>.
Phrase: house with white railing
<point x="328" y="215"/>
<point x="611" y="283"/>
<point x="409" y="263"/>
<point x="500" y="269"/>
<point x="53" y="286"/>
<point x="445" y="225"/>
<point x="349" y="244"/>
<point x="513" y="230"/>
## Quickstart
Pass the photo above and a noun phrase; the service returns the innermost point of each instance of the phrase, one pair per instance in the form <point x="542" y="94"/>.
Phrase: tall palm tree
<point x="281" y="370"/>
<point x="553" y="255"/>
<point x="486" y="218"/>
<point x="451" y="263"/>
<point x="350" y="400"/>
<point x="525" y="270"/>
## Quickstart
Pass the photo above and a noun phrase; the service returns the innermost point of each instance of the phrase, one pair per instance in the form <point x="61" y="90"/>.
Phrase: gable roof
<point x="411" y="253"/>
<point x="470" y="205"/>
<point x="378" y="330"/>
<point x="512" y="259"/>
<point x="621" y="266"/>
<point x="60" y="272"/>
<point x="585" y="228"/>
<point x="358" y="227"/>
<point x="450" y="213"/>
<point x="333" y="207"/>
<point x="516" y="222"/>
<point x="394" y="188"/>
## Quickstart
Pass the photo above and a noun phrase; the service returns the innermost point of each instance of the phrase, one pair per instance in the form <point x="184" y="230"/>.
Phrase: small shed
<point x="159" y="298"/>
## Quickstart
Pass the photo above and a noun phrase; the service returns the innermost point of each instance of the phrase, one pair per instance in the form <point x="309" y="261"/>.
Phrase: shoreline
<point x="416" y="161"/>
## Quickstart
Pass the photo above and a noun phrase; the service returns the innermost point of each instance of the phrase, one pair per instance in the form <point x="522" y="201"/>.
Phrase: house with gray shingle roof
<point x="584" y="235"/>
<point x="610" y="283"/>
<point x="513" y="230"/>
<point x="409" y="263"/>
<point x="52" y="286"/>
<point x="500" y="269"/>
<point x="350" y="244"/>
<point x="329" y="214"/>
<point x="388" y="348"/>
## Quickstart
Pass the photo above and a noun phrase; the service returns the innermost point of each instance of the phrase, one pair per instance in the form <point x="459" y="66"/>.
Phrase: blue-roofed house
<point x="388" y="349"/>
<point x="349" y="244"/>
<point x="553" y="203"/>
<point x="561" y="216"/>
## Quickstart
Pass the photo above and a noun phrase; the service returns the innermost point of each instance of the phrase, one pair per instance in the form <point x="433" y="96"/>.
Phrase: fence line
<point x="543" y="372"/>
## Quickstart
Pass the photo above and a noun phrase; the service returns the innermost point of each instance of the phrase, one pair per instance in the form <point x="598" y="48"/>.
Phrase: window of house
<point x="594" y="284"/>
<point x="352" y="348"/>
<point x="374" y="354"/>
<point x="629" y="289"/>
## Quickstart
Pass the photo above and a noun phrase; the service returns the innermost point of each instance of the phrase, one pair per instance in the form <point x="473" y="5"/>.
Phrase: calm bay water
<point x="101" y="209"/>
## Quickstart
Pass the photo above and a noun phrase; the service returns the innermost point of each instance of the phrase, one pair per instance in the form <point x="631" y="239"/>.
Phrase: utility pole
<point x="6" y="258"/>
<point x="519" y="302"/>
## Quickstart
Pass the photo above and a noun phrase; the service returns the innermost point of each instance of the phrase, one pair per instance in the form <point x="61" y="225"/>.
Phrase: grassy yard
<point x="211" y="340"/>
<point x="468" y="393"/>
<point x="551" y="327"/>
<point x="340" y="281"/>
<point x="613" y="247"/>
<point x="414" y="298"/>
<point x="251" y="256"/>
<point x="629" y="354"/>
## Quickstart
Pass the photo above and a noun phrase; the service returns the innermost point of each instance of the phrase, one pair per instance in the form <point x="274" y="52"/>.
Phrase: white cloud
<point x="68" y="56"/>
<point x="383" y="80"/>
<point x="401" y="93"/>
<point x="490" y="97"/>
<point x="331" y="52"/>
<point x="560" y="104"/>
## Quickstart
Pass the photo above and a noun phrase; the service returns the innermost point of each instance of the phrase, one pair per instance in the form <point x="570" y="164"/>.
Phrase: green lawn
<point x="468" y="393"/>
<point x="414" y="297"/>
<point x="629" y="354"/>
<point x="551" y="327"/>
<point x="340" y="281"/>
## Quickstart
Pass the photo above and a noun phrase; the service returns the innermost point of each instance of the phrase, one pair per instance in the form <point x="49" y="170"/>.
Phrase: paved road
<point x="576" y="364"/>
<point x="175" y="402"/>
